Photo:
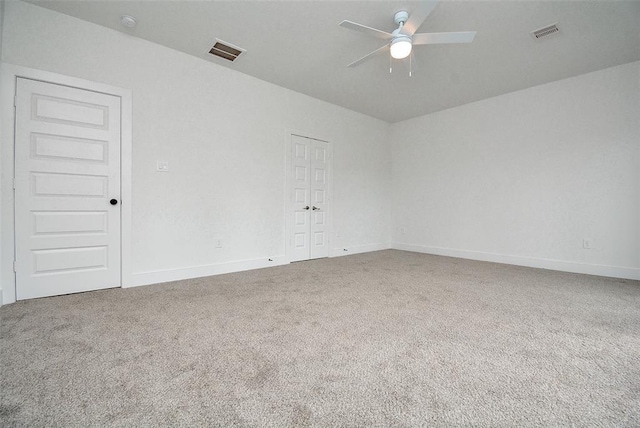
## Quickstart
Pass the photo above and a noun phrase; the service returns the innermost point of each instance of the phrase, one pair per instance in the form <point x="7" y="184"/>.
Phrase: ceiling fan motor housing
<point x="401" y="17"/>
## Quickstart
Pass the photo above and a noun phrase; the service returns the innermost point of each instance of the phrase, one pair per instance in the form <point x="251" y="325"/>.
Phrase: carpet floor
<point x="389" y="338"/>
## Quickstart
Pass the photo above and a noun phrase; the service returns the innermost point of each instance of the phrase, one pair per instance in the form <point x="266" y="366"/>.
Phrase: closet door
<point x="319" y="189"/>
<point x="310" y="174"/>
<point x="301" y="197"/>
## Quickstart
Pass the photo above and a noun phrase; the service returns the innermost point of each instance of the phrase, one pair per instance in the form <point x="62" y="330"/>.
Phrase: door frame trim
<point x="9" y="74"/>
<point x="288" y="194"/>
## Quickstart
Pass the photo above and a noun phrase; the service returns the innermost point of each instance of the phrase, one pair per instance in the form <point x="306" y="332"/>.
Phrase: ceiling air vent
<point x="226" y="50"/>
<point x="546" y="32"/>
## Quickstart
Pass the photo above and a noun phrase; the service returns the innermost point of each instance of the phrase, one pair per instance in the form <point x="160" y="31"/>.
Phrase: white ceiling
<point x="299" y="45"/>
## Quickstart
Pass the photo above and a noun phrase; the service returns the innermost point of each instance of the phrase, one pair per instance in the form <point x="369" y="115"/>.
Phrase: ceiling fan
<point x="403" y="38"/>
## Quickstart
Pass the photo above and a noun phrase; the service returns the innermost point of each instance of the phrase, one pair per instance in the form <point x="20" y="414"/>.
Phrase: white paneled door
<point x="67" y="190"/>
<point x="310" y="192"/>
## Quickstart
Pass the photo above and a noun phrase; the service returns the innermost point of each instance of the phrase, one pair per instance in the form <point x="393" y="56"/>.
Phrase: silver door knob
<point x="315" y="208"/>
<point x="306" y="208"/>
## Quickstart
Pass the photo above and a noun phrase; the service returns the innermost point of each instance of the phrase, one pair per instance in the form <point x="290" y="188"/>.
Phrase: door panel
<point x="67" y="166"/>
<point x="69" y="222"/>
<point x="68" y="148"/>
<point x="70" y="259"/>
<point x="72" y="112"/>
<point x="68" y="185"/>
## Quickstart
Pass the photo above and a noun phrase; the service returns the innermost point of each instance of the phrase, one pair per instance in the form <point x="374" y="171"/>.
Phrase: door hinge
<point x="15" y="100"/>
<point x="14" y="183"/>
<point x="14" y="266"/>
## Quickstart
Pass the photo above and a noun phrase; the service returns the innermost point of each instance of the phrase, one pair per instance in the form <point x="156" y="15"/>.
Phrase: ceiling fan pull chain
<point x="390" y="69"/>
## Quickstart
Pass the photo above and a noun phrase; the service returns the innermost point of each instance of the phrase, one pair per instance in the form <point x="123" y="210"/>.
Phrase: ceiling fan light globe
<point x="401" y="48"/>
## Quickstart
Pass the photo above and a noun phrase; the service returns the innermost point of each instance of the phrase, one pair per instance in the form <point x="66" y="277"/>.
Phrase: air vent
<point x="548" y="31"/>
<point x="226" y="50"/>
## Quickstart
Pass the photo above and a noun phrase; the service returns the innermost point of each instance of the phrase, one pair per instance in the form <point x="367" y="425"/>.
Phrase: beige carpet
<point x="389" y="338"/>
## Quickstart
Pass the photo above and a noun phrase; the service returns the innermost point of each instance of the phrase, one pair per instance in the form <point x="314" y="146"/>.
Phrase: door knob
<point x="113" y="201"/>
<point x="306" y="208"/>
<point x="315" y="208"/>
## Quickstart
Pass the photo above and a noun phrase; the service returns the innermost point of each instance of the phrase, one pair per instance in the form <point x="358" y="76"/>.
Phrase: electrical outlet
<point x="587" y="243"/>
<point x="162" y="166"/>
<point x="218" y="243"/>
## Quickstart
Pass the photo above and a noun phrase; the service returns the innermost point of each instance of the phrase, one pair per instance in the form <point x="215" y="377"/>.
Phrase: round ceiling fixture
<point x="401" y="47"/>
<point x="128" y="21"/>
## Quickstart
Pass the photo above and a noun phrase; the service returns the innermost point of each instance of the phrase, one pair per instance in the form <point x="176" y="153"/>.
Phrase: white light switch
<point x="162" y="166"/>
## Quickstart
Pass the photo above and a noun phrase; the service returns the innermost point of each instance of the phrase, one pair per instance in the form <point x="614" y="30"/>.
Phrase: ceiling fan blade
<point x="438" y="38"/>
<point x="366" y="30"/>
<point x="368" y="56"/>
<point x="417" y="17"/>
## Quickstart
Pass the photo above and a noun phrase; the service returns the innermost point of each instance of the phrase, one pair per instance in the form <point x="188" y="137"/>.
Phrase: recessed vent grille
<point x="545" y="32"/>
<point x="226" y="50"/>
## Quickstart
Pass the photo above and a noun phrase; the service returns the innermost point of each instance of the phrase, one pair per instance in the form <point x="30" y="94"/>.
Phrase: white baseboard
<point x="159" y="276"/>
<point x="367" y="248"/>
<point x="600" y="270"/>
